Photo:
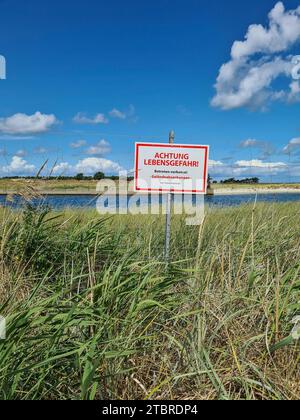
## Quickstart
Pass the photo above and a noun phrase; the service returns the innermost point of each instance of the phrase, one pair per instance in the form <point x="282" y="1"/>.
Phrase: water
<point x="236" y="200"/>
<point x="86" y="201"/>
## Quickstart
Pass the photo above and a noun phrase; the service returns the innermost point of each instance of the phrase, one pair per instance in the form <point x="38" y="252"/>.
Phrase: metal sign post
<point x="168" y="211"/>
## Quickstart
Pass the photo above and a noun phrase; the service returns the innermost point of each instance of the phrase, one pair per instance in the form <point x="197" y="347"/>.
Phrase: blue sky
<point x="85" y="80"/>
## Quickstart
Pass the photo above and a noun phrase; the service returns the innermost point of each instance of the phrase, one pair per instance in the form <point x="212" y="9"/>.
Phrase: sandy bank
<point x="242" y="191"/>
<point x="217" y="192"/>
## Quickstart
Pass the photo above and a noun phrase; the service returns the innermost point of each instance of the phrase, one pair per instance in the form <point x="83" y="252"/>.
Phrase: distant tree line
<point x="253" y="180"/>
<point x="79" y="177"/>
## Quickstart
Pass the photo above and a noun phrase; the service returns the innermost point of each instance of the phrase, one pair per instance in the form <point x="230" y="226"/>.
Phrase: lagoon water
<point x="59" y="202"/>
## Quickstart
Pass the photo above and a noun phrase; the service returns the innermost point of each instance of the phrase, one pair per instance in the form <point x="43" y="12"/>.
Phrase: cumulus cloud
<point x="256" y="163"/>
<point x="254" y="167"/>
<point x="292" y="145"/>
<point x="62" y="168"/>
<point x="115" y="113"/>
<point x="100" y="149"/>
<point x="19" y="124"/>
<point x="78" y="144"/>
<point x="247" y="79"/>
<point x="129" y="114"/>
<point x="90" y="166"/>
<point x="18" y="166"/>
<point x="81" y="118"/>
<point x="294" y="92"/>
<point x="214" y="163"/>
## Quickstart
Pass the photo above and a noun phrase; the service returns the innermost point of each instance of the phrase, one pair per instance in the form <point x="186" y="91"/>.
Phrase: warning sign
<point x="171" y="168"/>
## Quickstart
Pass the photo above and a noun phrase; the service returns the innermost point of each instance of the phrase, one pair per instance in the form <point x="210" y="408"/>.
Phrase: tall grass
<point x="93" y="313"/>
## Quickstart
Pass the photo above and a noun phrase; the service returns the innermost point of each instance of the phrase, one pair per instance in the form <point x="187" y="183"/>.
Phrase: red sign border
<point x="182" y="146"/>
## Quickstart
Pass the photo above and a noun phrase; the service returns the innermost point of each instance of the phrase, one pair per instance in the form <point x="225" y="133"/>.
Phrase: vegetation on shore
<point x="93" y="312"/>
<point x="68" y="186"/>
<point x="258" y="187"/>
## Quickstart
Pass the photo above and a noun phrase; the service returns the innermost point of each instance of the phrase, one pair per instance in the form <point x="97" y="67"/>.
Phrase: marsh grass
<point x="92" y="311"/>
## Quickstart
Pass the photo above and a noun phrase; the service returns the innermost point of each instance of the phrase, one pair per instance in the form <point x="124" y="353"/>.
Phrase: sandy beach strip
<point x="258" y="191"/>
<point x="217" y="192"/>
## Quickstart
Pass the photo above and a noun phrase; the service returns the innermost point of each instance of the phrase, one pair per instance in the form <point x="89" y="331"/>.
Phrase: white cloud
<point x="115" y="113"/>
<point x="257" y="167"/>
<point x="21" y="153"/>
<point x="247" y="79"/>
<point x="294" y="94"/>
<point x="62" y="168"/>
<point x="90" y="166"/>
<point x="250" y="84"/>
<point x="100" y="149"/>
<point x="18" y="166"/>
<point x="256" y="163"/>
<point x="254" y="167"/>
<point x="283" y="32"/>
<point x="81" y="118"/>
<point x="129" y="114"/>
<point x="249" y="143"/>
<point x="19" y="124"/>
<point x="213" y="163"/>
<point x="78" y="144"/>
<point x="292" y="145"/>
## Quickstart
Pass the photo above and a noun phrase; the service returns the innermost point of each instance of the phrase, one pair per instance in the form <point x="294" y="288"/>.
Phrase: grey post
<point x="168" y="211"/>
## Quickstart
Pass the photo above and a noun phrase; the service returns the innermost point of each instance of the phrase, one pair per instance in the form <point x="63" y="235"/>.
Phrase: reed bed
<point x="93" y="312"/>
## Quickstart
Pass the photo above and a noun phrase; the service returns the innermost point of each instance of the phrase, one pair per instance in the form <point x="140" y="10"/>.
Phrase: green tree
<point x="98" y="176"/>
<point x="79" y="177"/>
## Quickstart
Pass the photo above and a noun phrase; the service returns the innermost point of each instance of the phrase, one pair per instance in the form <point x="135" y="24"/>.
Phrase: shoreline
<point x="217" y="192"/>
<point x="254" y="191"/>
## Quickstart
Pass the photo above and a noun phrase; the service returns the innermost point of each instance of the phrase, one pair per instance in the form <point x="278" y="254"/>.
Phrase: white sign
<point x="171" y="168"/>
